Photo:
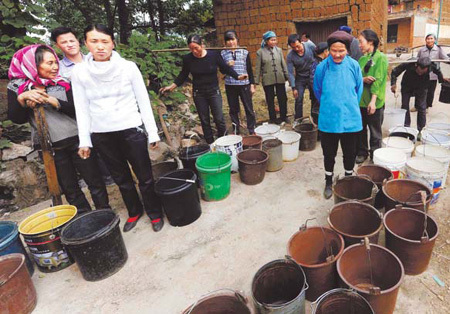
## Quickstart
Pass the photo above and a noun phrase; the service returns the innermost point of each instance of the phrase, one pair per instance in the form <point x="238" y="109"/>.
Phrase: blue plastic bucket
<point x="10" y="243"/>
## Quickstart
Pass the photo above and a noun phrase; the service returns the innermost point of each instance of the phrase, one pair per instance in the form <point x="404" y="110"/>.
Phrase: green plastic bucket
<point x="215" y="175"/>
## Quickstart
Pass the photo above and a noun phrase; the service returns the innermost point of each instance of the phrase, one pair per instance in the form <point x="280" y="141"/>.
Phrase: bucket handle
<point x="237" y="294"/>
<point x="178" y="179"/>
<point x="373" y="289"/>
<point x="439" y="113"/>
<point x="330" y="255"/>
<point x="425" y="236"/>
<point x="314" y="304"/>
<point x="431" y="134"/>
<point x="291" y="260"/>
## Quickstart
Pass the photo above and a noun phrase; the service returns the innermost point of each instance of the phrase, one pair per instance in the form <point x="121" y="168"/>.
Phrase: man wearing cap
<point x="415" y="84"/>
<point x="432" y="51"/>
<point x="355" y="51"/>
<point x="299" y="61"/>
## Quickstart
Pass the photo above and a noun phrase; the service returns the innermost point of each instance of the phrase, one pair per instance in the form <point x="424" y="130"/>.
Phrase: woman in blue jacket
<point x="338" y="85"/>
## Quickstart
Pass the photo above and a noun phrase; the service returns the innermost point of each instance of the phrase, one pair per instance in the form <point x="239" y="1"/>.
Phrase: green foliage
<point x="160" y="69"/>
<point x="5" y="143"/>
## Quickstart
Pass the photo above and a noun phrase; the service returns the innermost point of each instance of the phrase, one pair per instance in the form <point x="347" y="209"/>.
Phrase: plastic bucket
<point x="378" y="174"/>
<point x="231" y="145"/>
<point x="381" y="288"/>
<point x="316" y="250"/>
<point x="267" y="130"/>
<point x="444" y="96"/>
<point x="355" y="221"/>
<point x="252" y="141"/>
<point x="17" y="292"/>
<point x="405" y="132"/>
<point x="403" y="144"/>
<point x="291" y="144"/>
<point x="393" y="117"/>
<point x="10" y="243"/>
<point x="161" y="168"/>
<point x="434" y="138"/>
<point x="405" y="192"/>
<point x="308" y="132"/>
<point x="357" y="188"/>
<point x="96" y="244"/>
<point x="274" y="148"/>
<point x="341" y="301"/>
<point x="391" y="158"/>
<point x="41" y="233"/>
<point x="179" y="197"/>
<point x="405" y="238"/>
<point x="438" y="127"/>
<point x="428" y="171"/>
<point x="252" y="166"/>
<point x="223" y="301"/>
<point x="438" y="153"/>
<point x="215" y="175"/>
<point x="189" y="155"/>
<point x="279" y="287"/>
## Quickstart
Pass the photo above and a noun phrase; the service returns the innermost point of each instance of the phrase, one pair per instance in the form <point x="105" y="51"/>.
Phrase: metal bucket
<point x="357" y="188"/>
<point x="316" y="249"/>
<point x="341" y="301"/>
<point x="252" y="166"/>
<point x="224" y="301"/>
<point x="378" y="174"/>
<point x="279" y="287"/>
<point x="275" y="150"/>
<point x="252" y="141"/>
<point x="405" y="192"/>
<point x="374" y="272"/>
<point x="355" y="221"/>
<point x="308" y="132"/>
<point x="405" y="237"/>
<point x="161" y="168"/>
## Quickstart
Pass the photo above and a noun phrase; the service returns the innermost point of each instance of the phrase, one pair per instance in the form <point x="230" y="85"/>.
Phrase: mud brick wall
<point x="251" y="18"/>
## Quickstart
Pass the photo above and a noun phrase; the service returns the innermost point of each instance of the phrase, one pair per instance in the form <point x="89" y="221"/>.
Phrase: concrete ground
<point x="224" y="248"/>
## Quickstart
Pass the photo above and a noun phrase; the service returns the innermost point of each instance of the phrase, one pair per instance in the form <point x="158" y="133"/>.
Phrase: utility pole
<point x="439" y="21"/>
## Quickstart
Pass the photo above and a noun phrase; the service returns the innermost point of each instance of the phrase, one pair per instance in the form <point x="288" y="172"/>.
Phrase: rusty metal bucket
<point x="405" y="192"/>
<point x="355" y="221"/>
<point x="252" y="165"/>
<point x="252" y="141"/>
<point x="17" y="292"/>
<point x="224" y="301"/>
<point x="341" y="301"/>
<point x="316" y="250"/>
<point x="405" y="237"/>
<point x="374" y="272"/>
<point x="308" y="130"/>
<point x="358" y="188"/>
<point x="378" y="174"/>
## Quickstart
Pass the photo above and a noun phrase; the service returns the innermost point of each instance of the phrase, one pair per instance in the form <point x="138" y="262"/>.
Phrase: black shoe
<point x="131" y="223"/>
<point x="360" y="159"/>
<point x="157" y="224"/>
<point x="328" y="191"/>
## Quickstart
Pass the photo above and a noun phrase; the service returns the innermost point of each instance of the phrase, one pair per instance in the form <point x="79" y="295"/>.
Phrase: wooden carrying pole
<point x="187" y="49"/>
<point x="47" y="155"/>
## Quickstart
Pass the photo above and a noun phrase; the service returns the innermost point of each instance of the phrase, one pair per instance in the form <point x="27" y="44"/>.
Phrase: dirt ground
<point x="233" y="238"/>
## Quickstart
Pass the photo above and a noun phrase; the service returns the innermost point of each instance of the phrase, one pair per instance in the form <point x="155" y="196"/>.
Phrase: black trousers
<point x="374" y="122"/>
<point x="206" y="100"/>
<point x="234" y="92"/>
<point x="68" y="163"/>
<point x="330" y="142"/>
<point x="280" y="91"/>
<point x="301" y="86"/>
<point x="420" y="104"/>
<point x="430" y="94"/>
<point x="130" y="146"/>
<point x="315" y="107"/>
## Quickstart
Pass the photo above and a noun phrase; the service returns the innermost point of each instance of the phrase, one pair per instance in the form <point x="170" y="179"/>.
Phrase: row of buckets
<point x="341" y="268"/>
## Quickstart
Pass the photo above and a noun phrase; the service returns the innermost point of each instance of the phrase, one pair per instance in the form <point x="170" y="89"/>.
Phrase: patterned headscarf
<point x="23" y="66"/>
<point x="266" y="36"/>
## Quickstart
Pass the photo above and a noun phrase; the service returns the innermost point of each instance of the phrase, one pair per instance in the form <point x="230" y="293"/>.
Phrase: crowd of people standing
<point x="99" y="114"/>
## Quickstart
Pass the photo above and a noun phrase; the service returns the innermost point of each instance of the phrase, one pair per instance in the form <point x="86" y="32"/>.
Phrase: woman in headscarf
<point x="432" y="51"/>
<point x="338" y="86"/>
<point x="203" y="66"/>
<point x="113" y="108"/>
<point x="271" y="72"/>
<point x="35" y="81"/>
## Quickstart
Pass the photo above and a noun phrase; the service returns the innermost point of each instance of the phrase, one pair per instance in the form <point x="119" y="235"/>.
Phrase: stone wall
<point x="3" y="99"/>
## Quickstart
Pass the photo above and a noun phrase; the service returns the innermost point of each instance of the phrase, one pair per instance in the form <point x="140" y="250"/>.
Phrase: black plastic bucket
<point x="444" y="96"/>
<point x="189" y="155"/>
<point x="308" y="131"/>
<point x="179" y="197"/>
<point x="96" y="244"/>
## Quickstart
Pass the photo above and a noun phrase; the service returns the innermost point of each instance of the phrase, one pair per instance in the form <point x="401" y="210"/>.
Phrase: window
<point x="392" y="33"/>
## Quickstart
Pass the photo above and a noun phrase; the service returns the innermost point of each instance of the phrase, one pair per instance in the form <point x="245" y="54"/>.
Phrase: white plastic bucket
<point x="438" y="127"/>
<point x="291" y="144"/>
<point x="231" y="145"/>
<point x="267" y="131"/>
<point x="391" y="158"/>
<point x="428" y="171"/>
<point x="393" y="117"/>
<point x="433" y="138"/>
<point x="403" y="144"/>
<point x="405" y="129"/>
<point x="441" y="154"/>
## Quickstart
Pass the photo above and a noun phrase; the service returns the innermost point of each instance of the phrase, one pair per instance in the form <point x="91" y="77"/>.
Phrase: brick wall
<point x="404" y="34"/>
<point x="252" y="18"/>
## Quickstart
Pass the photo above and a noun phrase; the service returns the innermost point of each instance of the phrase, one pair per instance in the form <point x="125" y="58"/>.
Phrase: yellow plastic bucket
<point x="41" y="232"/>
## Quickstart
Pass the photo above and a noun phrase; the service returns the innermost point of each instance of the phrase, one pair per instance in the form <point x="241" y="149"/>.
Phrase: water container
<point x="10" y="243"/>
<point x="267" y="131"/>
<point x="291" y="144"/>
<point x="391" y="158"/>
<point x="393" y="117"/>
<point x="441" y="154"/>
<point x="231" y="145"/>
<point x="403" y="144"/>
